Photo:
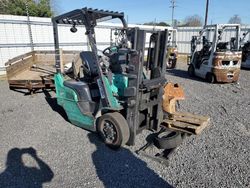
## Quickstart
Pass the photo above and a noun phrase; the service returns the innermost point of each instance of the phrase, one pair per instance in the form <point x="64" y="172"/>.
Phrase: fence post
<point x="29" y="27"/>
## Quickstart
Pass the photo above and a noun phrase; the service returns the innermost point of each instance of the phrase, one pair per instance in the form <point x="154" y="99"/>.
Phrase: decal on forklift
<point x="99" y="82"/>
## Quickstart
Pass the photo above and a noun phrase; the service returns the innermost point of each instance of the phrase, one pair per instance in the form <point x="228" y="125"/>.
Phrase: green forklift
<point x="119" y="93"/>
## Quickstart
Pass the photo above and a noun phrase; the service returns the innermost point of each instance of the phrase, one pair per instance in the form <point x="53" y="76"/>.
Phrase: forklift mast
<point x="145" y="108"/>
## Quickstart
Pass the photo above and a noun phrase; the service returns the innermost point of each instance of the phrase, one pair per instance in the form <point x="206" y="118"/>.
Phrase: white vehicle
<point x="172" y="50"/>
<point x="216" y="56"/>
<point x="245" y="46"/>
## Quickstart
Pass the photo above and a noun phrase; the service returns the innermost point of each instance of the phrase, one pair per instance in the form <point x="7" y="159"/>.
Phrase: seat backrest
<point x="88" y="58"/>
<point x="80" y="87"/>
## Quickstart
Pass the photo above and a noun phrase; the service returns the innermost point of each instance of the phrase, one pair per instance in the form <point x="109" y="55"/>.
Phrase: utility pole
<point x="206" y="14"/>
<point x="154" y="24"/>
<point x="173" y="5"/>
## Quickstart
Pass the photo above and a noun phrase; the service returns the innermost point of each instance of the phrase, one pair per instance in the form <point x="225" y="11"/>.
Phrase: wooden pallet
<point x="187" y="122"/>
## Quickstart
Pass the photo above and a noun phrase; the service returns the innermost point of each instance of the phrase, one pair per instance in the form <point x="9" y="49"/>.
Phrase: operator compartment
<point x="85" y="86"/>
<point x="85" y="102"/>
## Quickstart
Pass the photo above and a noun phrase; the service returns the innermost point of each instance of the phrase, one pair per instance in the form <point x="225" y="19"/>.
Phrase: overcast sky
<point x="139" y="11"/>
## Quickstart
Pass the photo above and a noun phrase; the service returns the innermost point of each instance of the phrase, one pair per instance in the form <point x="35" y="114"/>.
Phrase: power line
<point x="173" y="6"/>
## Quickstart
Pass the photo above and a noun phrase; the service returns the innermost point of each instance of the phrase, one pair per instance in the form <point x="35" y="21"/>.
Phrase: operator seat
<point x="89" y="64"/>
<point x="84" y="94"/>
<point x="80" y="87"/>
<point x="85" y="103"/>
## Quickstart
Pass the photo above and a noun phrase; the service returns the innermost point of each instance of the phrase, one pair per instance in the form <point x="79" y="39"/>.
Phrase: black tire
<point x="113" y="129"/>
<point x="191" y="70"/>
<point x="210" y="78"/>
<point x="171" y="64"/>
<point x="168" y="140"/>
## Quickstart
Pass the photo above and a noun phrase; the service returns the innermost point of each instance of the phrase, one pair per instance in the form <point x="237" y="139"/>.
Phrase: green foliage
<point x="235" y="19"/>
<point x="44" y="9"/>
<point x="193" y="21"/>
<point x="162" y="24"/>
<point x="157" y="24"/>
<point x="40" y="8"/>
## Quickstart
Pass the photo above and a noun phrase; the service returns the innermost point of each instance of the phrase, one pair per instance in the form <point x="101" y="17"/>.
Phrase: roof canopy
<point x="80" y="16"/>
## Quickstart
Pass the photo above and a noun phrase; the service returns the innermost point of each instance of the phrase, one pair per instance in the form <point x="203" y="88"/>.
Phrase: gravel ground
<point x="39" y="148"/>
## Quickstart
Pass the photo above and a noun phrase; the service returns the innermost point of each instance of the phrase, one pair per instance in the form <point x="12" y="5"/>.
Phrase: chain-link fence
<point x="18" y="35"/>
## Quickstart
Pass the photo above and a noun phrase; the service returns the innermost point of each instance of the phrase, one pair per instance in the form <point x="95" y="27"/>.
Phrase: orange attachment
<point x="172" y="93"/>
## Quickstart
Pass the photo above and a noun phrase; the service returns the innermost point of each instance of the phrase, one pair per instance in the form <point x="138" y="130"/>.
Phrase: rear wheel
<point x="191" y="70"/>
<point x="113" y="129"/>
<point x="210" y="78"/>
<point x="171" y="63"/>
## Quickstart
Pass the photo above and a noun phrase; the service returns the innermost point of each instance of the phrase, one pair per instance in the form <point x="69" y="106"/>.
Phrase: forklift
<point x="214" y="56"/>
<point x="172" y="50"/>
<point x="245" y="47"/>
<point x="119" y="93"/>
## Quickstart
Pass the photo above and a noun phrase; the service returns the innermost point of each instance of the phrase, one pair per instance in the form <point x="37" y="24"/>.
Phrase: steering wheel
<point x="110" y="50"/>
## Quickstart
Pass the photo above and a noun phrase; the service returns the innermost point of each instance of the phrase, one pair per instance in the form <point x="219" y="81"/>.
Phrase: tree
<point x="235" y="20"/>
<point x="157" y="24"/>
<point x="44" y="9"/>
<point x="40" y="8"/>
<point x="163" y="24"/>
<point x="176" y="23"/>
<point x="193" y="21"/>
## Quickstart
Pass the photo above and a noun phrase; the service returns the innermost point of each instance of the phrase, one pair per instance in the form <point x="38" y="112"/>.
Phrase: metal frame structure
<point x="207" y="62"/>
<point x="148" y="98"/>
<point x="89" y="18"/>
<point x="216" y="28"/>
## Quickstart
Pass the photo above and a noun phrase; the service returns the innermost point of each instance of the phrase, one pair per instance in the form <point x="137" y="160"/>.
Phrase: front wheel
<point x="191" y="70"/>
<point x="113" y="129"/>
<point x="210" y="78"/>
<point x="171" y="64"/>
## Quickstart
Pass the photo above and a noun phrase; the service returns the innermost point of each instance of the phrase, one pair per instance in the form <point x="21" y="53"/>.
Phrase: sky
<point x="139" y="12"/>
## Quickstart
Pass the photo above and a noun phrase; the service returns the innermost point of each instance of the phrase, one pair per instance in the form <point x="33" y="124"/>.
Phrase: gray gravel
<point x="67" y="156"/>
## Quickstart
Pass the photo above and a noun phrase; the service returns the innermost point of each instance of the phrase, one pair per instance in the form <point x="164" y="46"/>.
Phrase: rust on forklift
<point x="226" y="66"/>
